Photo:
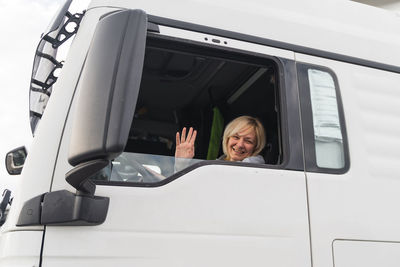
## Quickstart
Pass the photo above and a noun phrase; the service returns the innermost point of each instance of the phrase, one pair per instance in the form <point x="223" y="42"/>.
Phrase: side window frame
<point x="310" y="158"/>
<point x="290" y="130"/>
<point x="289" y="118"/>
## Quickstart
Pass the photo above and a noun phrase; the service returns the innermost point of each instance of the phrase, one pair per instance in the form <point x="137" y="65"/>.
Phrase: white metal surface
<point x="349" y="253"/>
<point x="362" y="203"/>
<point x="212" y="216"/>
<point x="20" y="248"/>
<point x="338" y="26"/>
<point x="206" y="38"/>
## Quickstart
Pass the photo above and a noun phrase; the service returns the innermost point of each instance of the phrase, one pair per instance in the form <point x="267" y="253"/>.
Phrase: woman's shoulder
<point x="253" y="159"/>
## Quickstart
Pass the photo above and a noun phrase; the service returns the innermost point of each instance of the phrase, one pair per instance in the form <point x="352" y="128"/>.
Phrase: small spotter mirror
<point x="15" y="160"/>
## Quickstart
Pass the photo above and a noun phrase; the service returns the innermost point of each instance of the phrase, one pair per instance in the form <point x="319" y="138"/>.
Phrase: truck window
<point x="323" y="120"/>
<point x="327" y="133"/>
<point x="186" y="84"/>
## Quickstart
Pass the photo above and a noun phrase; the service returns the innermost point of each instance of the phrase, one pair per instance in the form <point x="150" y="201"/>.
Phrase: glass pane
<point x="327" y="132"/>
<point x="146" y="168"/>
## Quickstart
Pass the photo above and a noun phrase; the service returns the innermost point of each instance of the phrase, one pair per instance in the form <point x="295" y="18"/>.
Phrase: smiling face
<point x="241" y="145"/>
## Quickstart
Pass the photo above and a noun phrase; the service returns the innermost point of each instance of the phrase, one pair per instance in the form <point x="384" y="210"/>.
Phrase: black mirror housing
<point x="108" y="88"/>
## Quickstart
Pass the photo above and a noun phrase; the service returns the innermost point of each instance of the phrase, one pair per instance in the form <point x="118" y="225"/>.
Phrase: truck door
<point x="350" y="188"/>
<point x="208" y="213"/>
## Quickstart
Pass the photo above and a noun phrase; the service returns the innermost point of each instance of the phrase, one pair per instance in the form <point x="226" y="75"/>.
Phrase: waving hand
<point x="185" y="144"/>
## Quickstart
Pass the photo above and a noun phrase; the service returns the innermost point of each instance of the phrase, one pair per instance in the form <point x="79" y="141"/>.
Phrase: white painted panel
<point x="20" y="248"/>
<point x="343" y="27"/>
<point x="361" y="204"/>
<point x="366" y="253"/>
<point x="212" y="216"/>
<point x="225" y="42"/>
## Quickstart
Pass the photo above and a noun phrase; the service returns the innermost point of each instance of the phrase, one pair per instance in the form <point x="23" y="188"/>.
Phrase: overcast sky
<point x="21" y="24"/>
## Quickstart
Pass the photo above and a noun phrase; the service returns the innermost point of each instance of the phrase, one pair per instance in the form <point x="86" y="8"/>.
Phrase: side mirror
<point x="15" y="160"/>
<point x="109" y="87"/>
<point x="108" y="90"/>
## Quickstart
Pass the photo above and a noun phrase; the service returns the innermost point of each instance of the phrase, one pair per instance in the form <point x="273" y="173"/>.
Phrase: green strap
<point x="216" y="134"/>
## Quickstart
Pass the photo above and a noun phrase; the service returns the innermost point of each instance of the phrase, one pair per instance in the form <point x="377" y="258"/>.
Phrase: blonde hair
<point x="242" y="123"/>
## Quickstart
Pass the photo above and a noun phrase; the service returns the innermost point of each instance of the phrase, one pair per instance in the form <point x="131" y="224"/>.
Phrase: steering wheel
<point x="132" y="171"/>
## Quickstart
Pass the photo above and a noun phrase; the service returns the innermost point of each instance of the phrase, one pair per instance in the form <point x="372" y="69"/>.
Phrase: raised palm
<point x="185" y="144"/>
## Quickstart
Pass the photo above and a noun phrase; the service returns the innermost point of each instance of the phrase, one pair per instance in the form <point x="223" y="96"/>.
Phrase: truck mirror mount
<point x="64" y="208"/>
<point x="79" y="176"/>
<point x="15" y="160"/>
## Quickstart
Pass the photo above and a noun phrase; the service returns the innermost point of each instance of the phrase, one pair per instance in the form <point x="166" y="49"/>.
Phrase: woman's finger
<point x="189" y="136"/>
<point x="183" y="136"/>
<point x="193" y="139"/>
<point x="177" y="138"/>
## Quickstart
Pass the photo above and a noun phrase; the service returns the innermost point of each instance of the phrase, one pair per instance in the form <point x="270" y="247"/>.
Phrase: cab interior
<point x="185" y="83"/>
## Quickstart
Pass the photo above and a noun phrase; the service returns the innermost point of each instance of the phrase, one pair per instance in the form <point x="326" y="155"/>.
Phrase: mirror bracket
<point x="79" y="176"/>
<point x="68" y="209"/>
<point x="64" y="208"/>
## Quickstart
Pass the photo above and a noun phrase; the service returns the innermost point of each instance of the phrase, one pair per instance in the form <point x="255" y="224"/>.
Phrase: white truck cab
<point x="99" y="186"/>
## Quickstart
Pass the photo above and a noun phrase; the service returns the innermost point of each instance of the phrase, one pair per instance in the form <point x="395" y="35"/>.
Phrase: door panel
<point x="214" y="215"/>
<point x="20" y="248"/>
<point x="360" y="203"/>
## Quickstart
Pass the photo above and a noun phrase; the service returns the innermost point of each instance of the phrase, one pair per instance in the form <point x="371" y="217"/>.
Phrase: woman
<point x="243" y="140"/>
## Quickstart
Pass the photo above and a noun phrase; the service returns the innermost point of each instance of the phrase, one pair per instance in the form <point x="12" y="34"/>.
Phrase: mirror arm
<point x="65" y="208"/>
<point x="79" y="176"/>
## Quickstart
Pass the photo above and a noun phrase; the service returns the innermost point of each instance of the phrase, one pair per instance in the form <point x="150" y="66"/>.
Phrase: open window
<point x="188" y="84"/>
<point x="204" y="85"/>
